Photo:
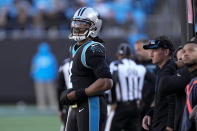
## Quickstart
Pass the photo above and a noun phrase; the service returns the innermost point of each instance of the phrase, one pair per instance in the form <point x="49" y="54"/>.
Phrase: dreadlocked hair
<point x="97" y="39"/>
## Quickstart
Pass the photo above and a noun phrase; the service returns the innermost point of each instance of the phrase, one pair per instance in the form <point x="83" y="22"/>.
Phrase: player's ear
<point x="167" y="52"/>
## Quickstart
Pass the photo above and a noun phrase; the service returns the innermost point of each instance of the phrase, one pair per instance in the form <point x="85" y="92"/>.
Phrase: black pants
<point x="126" y="117"/>
<point x="64" y="114"/>
<point x="90" y="115"/>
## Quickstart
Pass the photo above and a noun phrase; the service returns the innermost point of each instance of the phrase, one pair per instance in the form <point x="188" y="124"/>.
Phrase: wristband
<point x="80" y="93"/>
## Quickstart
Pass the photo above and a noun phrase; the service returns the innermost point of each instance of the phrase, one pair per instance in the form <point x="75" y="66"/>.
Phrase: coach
<point x="161" y="117"/>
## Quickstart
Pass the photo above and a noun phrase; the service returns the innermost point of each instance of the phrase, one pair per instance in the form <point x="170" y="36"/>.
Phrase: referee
<point x="128" y="80"/>
<point x="63" y="84"/>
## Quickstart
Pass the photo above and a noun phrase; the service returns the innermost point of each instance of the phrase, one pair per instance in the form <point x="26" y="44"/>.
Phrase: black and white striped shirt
<point x="128" y="80"/>
<point x="66" y="70"/>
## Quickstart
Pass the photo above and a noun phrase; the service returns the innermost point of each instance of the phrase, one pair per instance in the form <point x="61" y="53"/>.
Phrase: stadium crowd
<point x="120" y="16"/>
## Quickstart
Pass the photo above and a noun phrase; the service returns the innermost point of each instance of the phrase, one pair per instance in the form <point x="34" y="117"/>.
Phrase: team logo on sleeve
<point x="95" y="48"/>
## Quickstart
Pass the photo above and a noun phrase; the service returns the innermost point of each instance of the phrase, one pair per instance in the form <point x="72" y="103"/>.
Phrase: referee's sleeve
<point x="95" y="59"/>
<point x="60" y="88"/>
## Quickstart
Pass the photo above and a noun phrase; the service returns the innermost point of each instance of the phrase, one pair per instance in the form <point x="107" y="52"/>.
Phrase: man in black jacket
<point x="161" y="117"/>
<point x="176" y="76"/>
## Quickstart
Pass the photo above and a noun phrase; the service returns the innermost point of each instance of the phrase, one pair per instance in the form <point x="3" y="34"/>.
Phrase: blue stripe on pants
<point x="94" y="113"/>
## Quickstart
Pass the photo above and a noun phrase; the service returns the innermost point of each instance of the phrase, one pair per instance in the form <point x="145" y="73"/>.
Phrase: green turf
<point x="13" y="118"/>
<point x="29" y="123"/>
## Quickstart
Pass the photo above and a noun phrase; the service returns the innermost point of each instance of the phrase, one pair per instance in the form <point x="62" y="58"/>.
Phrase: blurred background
<point x="25" y="24"/>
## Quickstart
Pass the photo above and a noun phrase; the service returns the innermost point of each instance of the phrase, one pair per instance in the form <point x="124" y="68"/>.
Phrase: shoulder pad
<point x="92" y="49"/>
<point x="97" y="47"/>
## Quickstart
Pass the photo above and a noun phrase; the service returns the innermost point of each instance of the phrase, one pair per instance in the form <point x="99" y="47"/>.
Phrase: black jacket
<point x="177" y="81"/>
<point x="148" y="90"/>
<point x="163" y="111"/>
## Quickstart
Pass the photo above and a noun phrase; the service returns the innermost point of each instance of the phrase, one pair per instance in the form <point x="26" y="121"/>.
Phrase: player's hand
<point x="146" y="122"/>
<point x="72" y="95"/>
<point x="169" y="128"/>
<point x="64" y="99"/>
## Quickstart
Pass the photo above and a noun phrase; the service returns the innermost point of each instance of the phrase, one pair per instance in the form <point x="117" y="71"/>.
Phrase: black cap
<point x="124" y="49"/>
<point x="160" y="42"/>
<point x="176" y="51"/>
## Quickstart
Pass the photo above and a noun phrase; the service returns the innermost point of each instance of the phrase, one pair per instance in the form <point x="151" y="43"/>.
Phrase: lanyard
<point x="189" y="107"/>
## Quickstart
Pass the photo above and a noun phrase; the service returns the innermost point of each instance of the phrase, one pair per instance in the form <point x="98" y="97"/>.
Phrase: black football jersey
<point x="88" y="64"/>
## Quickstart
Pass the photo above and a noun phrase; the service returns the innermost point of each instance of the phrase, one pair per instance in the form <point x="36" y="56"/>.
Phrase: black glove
<point x="64" y="99"/>
<point x="80" y="93"/>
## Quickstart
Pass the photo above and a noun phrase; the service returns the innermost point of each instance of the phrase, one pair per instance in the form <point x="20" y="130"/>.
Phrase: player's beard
<point x="191" y="64"/>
